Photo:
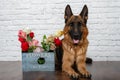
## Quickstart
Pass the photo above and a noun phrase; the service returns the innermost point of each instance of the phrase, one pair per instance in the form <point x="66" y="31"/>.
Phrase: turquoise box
<point x="30" y="61"/>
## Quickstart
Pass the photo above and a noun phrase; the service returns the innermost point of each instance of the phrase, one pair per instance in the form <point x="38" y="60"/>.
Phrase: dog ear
<point x="68" y="13"/>
<point x="84" y="14"/>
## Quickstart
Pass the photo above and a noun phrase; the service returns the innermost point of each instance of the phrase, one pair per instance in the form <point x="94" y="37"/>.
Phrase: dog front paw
<point x="85" y="74"/>
<point x="73" y="74"/>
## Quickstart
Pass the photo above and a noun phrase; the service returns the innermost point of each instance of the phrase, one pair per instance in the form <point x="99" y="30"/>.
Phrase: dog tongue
<point x="75" y="41"/>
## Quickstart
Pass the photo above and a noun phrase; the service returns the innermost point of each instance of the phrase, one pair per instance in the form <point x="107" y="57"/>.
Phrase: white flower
<point x="27" y="30"/>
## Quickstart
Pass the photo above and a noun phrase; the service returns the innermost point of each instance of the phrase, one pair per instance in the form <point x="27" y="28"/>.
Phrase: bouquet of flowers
<point x="28" y="43"/>
<point x="52" y="41"/>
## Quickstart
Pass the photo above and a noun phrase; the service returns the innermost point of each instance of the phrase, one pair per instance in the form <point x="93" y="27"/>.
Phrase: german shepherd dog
<point x="75" y="43"/>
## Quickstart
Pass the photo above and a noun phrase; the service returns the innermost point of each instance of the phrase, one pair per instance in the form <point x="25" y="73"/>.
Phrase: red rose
<point x="31" y="34"/>
<point x="24" y="46"/>
<point x="21" y="39"/>
<point x="57" y="42"/>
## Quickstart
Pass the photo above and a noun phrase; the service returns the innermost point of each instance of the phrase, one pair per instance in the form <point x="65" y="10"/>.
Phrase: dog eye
<point x="71" y="24"/>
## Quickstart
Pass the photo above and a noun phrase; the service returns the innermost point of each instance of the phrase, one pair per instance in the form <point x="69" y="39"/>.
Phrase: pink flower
<point x="38" y="49"/>
<point x="34" y="43"/>
<point x="22" y="34"/>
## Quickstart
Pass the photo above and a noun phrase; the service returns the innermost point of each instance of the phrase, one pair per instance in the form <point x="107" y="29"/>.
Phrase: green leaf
<point x="44" y="37"/>
<point x="47" y="47"/>
<point x="29" y="38"/>
<point x="30" y="50"/>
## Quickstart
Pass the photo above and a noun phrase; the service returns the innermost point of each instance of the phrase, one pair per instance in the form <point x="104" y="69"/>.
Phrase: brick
<point x="47" y="16"/>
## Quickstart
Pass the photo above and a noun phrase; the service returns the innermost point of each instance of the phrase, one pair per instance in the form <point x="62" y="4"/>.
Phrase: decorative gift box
<point x="43" y="61"/>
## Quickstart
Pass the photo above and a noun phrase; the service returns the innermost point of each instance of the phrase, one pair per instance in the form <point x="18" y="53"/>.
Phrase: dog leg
<point x="81" y="65"/>
<point x="67" y="67"/>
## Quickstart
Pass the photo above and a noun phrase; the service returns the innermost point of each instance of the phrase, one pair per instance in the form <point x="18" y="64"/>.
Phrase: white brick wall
<point x="47" y="16"/>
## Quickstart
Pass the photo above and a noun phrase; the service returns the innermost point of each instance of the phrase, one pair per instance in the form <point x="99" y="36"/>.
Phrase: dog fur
<point x="74" y="54"/>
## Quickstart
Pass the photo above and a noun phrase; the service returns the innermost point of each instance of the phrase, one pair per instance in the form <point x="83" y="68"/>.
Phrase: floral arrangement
<point x="52" y="41"/>
<point x="28" y="43"/>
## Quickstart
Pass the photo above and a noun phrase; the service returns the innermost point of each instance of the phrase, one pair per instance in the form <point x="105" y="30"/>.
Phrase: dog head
<point x="75" y="25"/>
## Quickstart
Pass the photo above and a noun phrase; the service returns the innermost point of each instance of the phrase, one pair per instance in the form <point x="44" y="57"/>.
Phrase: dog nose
<point x="76" y="36"/>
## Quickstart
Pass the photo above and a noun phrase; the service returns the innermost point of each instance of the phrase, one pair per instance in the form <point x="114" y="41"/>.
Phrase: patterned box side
<point x="29" y="61"/>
